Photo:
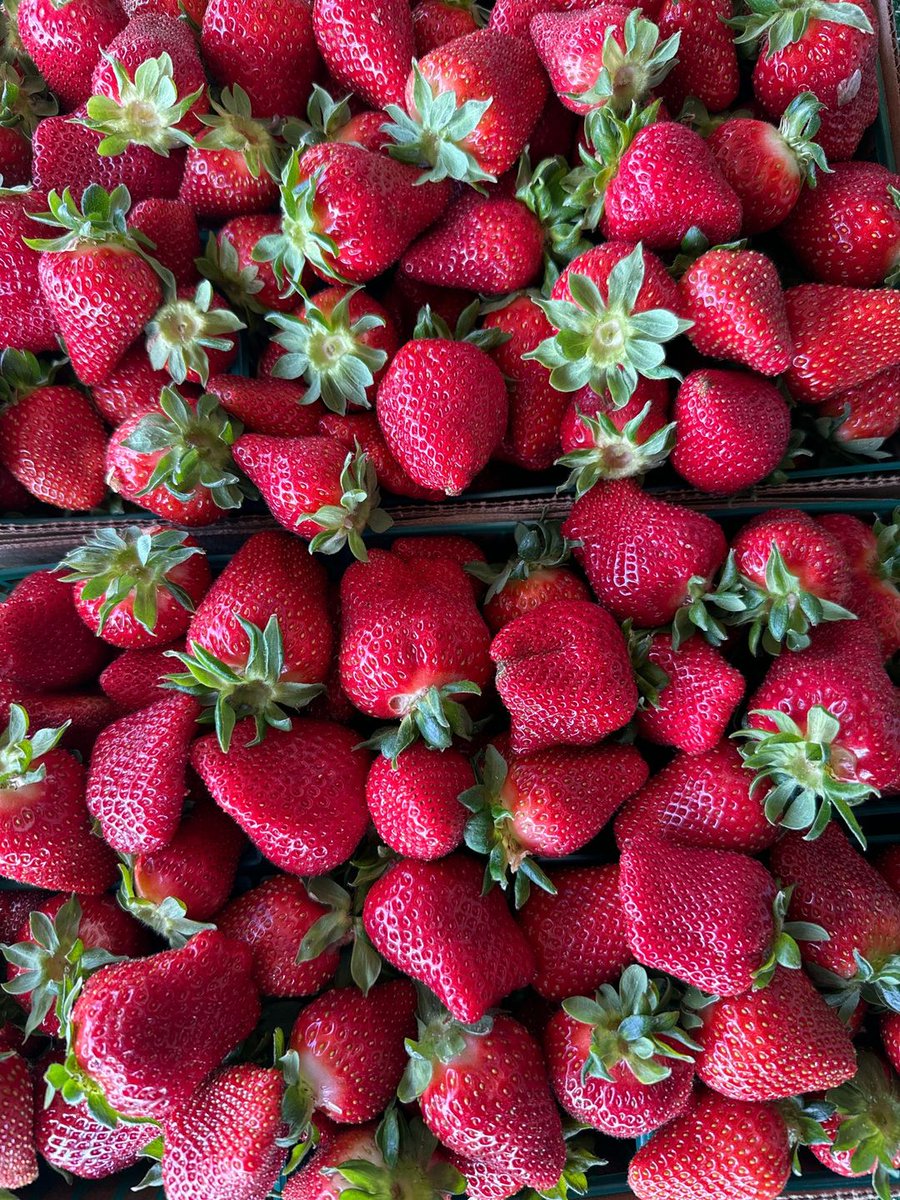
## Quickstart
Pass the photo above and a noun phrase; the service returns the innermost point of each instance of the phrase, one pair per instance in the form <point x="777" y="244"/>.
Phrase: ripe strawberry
<point x="273" y="919"/>
<point x="66" y="43"/>
<point x="863" y="1132"/>
<point x="266" y="47"/>
<point x="773" y="1043"/>
<point x="436" y="22"/>
<point x="51" y="439"/>
<point x="18" y="119"/>
<point x="543" y="677"/>
<point x="367" y="48"/>
<point x="412" y="640"/>
<point x="406" y="298"/>
<point x="861" y="419"/>
<point x="498" y="90"/>
<point x="665" y="547"/>
<point x="192" y="336"/>
<point x="18" y="1160"/>
<point x="733" y="430"/>
<point x="453" y="546"/>
<point x="133" y="679"/>
<point x="619" y="1062"/>
<point x="86" y="712"/>
<point x="176" y="461"/>
<point x="468" y="950"/>
<point x="872" y="552"/>
<point x="842" y="128"/>
<point x="133" y="388"/>
<point x="229" y="264"/>
<point x="706" y="65"/>
<point x="146" y="1033"/>
<point x="171" y="228"/>
<point x="139" y="587"/>
<point x="136" y="784"/>
<point x="16" y="905"/>
<point x="362" y="429"/>
<point x="276" y="407"/>
<point x="768" y="166"/>
<point x="415" y="805"/>
<point x="735" y="301"/>
<point x="700" y="800"/>
<point x="25" y="320"/>
<point x="549" y="803"/>
<point x="724" y="1148"/>
<point x="254" y="783"/>
<point x="890" y="1038"/>
<point x="45" y="833"/>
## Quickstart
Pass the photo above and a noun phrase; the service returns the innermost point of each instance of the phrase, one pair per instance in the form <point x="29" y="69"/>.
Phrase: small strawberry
<point x="706" y="66"/>
<point x="415" y="805"/>
<point x="228" y="263"/>
<point x="367" y="48"/>
<point x="25" y="320"/>
<point x="66" y="43"/>
<point x="133" y="679"/>
<point x="864" y="1131"/>
<point x="146" y="37"/>
<point x="276" y="407"/>
<point x="18" y="1160"/>
<point x="361" y="430"/>
<point x="170" y="227"/>
<point x="861" y="419"/>
<point x="436" y="22"/>
<point x="890" y="1037"/>
<point x="192" y="336"/>
<point x="872" y="552"/>
<point x="132" y="389"/>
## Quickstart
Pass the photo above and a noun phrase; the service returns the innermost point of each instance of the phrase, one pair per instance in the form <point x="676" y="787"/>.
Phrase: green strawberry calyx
<point x="257" y="689"/>
<point x="808" y="772"/>
<point x="867" y="1108"/>
<point x="166" y="917"/>
<point x="629" y="74"/>
<point x="876" y="981"/>
<point x="615" y="453"/>
<point x="491" y="830"/>
<point x="183" y="330"/>
<point x="24" y="100"/>
<point x="581" y="1156"/>
<point x="325" y="118"/>
<point x="636" y="1024"/>
<point x="803" y="1117"/>
<point x="21" y="373"/>
<point x="240" y="283"/>
<point x="543" y="190"/>
<point x="540" y="546"/>
<point x="798" y="126"/>
<point x="54" y="955"/>
<point x="329" y="352"/>
<point x="783" y="22"/>
<point x="696" y="614"/>
<point x="435" y="134"/>
<point x="603" y="343"/>
<point x="430" y="324"/>
<point x="343" y="523"/>
<point x="409" y="1169"/>
<point x="440" y="1040"/>
<point x="650" y="678"/>
<point x="297" y="1104"/>
<point x="887" y="553"/>
<point x="194" y="443"/>
<point x="232" y="126"/>
<point x="608" y="137"/>
<point x="784" y="950"/>
<point x="131" y="564"/>
<point x="431" y="714"/>
<point x="340" y="926"/>
<point x="148" y="111"/>
<point x="19" y="752"/>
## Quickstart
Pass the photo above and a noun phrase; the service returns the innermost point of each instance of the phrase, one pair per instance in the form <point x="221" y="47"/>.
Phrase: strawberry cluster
<point x="505" y="872"/>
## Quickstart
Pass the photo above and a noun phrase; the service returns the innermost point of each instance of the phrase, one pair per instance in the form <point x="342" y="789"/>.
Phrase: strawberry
<point x="545" y="804"/>
<point x="842" y="128"/>
<point x="415" y="805"/>
<point x="23" y="101"/>
<point x="13" y="497"/>
<point x="668" y="550"/>
<point x="266" y="47"/>
<point x="273" y="919"/>
<point x="533" y="576"/>
<point x="859" y="420"/>
<point x="412" y="640"/>
<point x="231" y="169"/>
<point x="16" y="905"/>
<point x="362" y="429"/>
<point x="864" y="1132"/>
<point x="563" y="674"/>
<point x="133" y="679"/>
<point x="773" y="1043"/>
<point x="872" y="552"/>
<point x="133" y="388"/>
<point x="890" y="1037"/>
<point x="468" y="950"/>
<point x="406" y="298"/>
<point x="768" y="166"/>
<point x="45" y="833"/>
<point x="486" y="244"/>
<point x="724" y="1148"/>
<point x="51" y="438"/>
<point x="436" y="22"/>
<point x="228" y="263"/>
<point x="18" y="1160"/>
<point x="498" y="91"/>
<point x="44" y="645"/>
<point x="847" y="230"/>
<point x="367" y="48"/>
<point x="735" y="301"/>
<point x="733" y="430"/>
<point x="887" y="862"/>
<point x="276" y="407"/>
<point x="577" y="931"/>
<point x="171" y="228"/>
<point x="350" y="1048"/>
<point x="25" y="319"/>
<point x="453" y="546"/>
<point x="706" y="66"/>
<point x="66" y="43"/>
<point x="193" y="9"/>
<point x="136" y="784"/>
<point x="86" y="712"/>
<point x="619" y="1062"/>
<point x="144" y="1034"/>
<point x="176" y="461"/>
<point x="137" y="588"/>
<point x="700" y="800"/>
<point x="192" y="336"/>
<point x="484" y="1092"/>
<point x="651" y="181"/>
<point x="253" y="783"/>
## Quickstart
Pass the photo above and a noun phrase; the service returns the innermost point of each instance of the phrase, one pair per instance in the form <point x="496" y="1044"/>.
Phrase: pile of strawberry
<point x="350" y="948"/>
<point x="439" y="240"/>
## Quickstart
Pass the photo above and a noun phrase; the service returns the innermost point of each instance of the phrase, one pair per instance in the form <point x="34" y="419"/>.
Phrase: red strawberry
<point x="436" y="22"/>
<point x="873" y="594"/>
<point x="66" y="43"/>
<point x="133" y="679"/>
<point x="890" y="1037"/>
<point x="859" y="420"/>
<point x="640" y="554"/>
<point x="362" y="428"/>
<point x="415" y="805"/>
<point x="25" y="319"/>
<point x="276" y="407"/>
<point x="228" y="263"/>
<point x="367" y="48"/>
<point x="468" y="950"/>
<point x="406" y="298"/>
<point x="132" y="389"/>
<point x="453" y="546"/>
<point x="45" y="832"/>
<point x="735" y="301"/>
<point x="862" y="1133"/>
<point x="578" y="931"/>
<point x="13" y="497"/>
<point x="192" y="336"/>
<point x="15" y="906"/>
<point x="87" y="713"/>
<point x="18" y="1160"/>
<point x="171" y="225"/>
<point x="842" y="128"/>
<point x="563" y="673"/>
<point x="21" y="106"/>
<point x="51" y="439"/>
<point x="700" y="800"/>
<point x="266" y="47"/>
<point x="887" y="863"/>
<point x="706" y="65"/>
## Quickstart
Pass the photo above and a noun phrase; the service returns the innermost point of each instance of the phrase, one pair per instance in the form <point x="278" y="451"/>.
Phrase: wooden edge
<point x="890" y="76"/>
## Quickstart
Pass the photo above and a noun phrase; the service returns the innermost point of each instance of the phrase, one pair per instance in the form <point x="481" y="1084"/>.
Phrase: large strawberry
<point x="361" y="429"/>
<point x="860" y="420"/>
<point x="415" y="803"/>
<point x="87" y="713"/>
<point x="368" y="48"/>
<point x="66" y="42"/>
<point x="133" y="679"/>
<point x="133" y="388"/>
<point x="270" y="406"/>
<point x="171" y="227"/>
<point x="25" y="319"/>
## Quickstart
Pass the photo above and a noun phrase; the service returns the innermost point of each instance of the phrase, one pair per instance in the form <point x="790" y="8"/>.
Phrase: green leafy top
<point x="876" y="982"/>
<point x="581" y="1157"/>
<point x="239" y="282"/>
<point x="342" y="924"/>
<point x="650" y="678"/>
<point x="868" y="1106"/>
<point x="325" y="118"/>
<point x="167" y="918"/>
<point x="440" y="1038"/>
<point x="24" y="99"/>
<point x="256" y="689"/>
<point x="636" y="1024"/>
<point x="21" y="374"/>
<point x="543" y="190"/>
<point x="430" y="714"/>
<point x="799" y="125"/>
<point x="539" y="545"/>
<point x="430" y="324"/>
<point x="628" y="76"/>
<point x="783" y="22"/>
<point x="608" y="136"/>
<point x="232" y="126"/>
<point x="147" y="113"/>
<point x="134" y="564"/>
<point x="784" y="951"/>
<point x="605" y="344"/>
<point x="436" y="138"/>
<point x="887" y="537"/>
<point x="410" y="1167"/>
<point x="803" y="1117"/>
<point x="616" y="453"/>
<point x="19" y="752"/>
<point x="343" y="524"/>
<point x="328" y="350"/>
<point x="184" y="329"/>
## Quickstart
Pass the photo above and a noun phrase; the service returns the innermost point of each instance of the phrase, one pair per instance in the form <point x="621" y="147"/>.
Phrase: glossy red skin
<point x="890" y="1038"/>
<point x="760" y="167"/>
<point x="363" y="427"/>
<point x="218" y="184"/>
<point x="15" y="906"/>
<point x="314" y="1179"/>
<point x="842" y="128"/>
<point x="415" y="804"/>
<point x="697" y="703"/>
<point x="869" y="410"/>
<point x="15" y="158"/>
<point x="25" y="320"/>
<point x="707" y="64"/>
<point x="700" y="800"/>
<point x="267" y="47"/>
<point x="132" y="388"/>
<point x="436" y="22"/>
<point x="268" y="406"/>
<point x="133" y="679"/>
<point x="406" y="297"/>
<point x="658" y="290"/>
<point x="887" y="863"/>
<point x="192" y="8"/>
<point x="809" y="550"/>
<point x="273" y="918"/>
<point x="367" y="47"/>
<point x="570" y="45"/>
<point x="149" y="1031"/>
<point x="18" y="1102"/>
<point x="460" y="550"/>
<point x="579" y="936"/>
<point x="66" y="43"/>
<point x="549" y="585"/>
<point x="172" y="227"/>
<point x="468" y="950"/>
<point x="243" y="233"/>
